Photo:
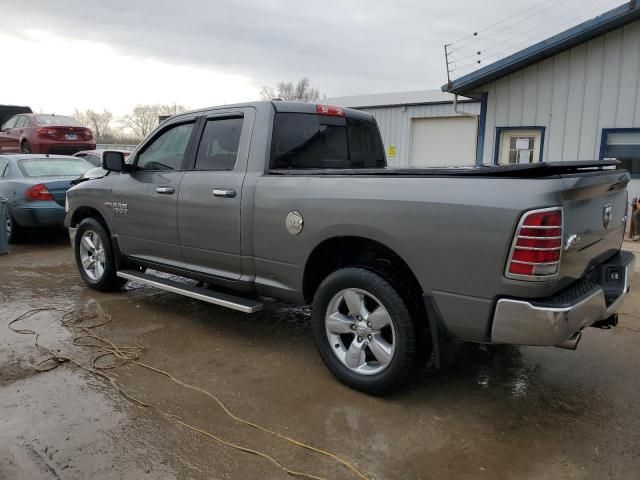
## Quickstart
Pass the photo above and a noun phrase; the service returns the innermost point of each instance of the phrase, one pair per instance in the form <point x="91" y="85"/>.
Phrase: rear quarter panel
<point x="454" y="233"/>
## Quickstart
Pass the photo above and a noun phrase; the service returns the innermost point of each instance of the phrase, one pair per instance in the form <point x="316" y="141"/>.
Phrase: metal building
<point x="422" y="128"/>
<point x="574" y="96"/>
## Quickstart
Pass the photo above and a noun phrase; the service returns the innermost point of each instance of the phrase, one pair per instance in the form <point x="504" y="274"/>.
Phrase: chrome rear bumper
<point x="553" y="321"/>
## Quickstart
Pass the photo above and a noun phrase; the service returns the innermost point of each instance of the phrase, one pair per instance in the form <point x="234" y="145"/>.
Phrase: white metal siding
<point x="574" y="95"/>
<point x="395" y="124"/>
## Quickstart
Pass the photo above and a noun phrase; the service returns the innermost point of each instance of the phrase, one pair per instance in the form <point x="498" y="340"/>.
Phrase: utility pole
<point x="446" y="59"/>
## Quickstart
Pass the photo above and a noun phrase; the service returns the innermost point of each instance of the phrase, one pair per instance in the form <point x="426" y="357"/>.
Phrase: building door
<point x="519" y="146"/>
<point x="443" y="141"/>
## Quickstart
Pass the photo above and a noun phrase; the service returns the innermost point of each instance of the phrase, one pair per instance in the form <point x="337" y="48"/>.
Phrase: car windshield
<point x="53" y="167"/>
<point x="57" y="120"/>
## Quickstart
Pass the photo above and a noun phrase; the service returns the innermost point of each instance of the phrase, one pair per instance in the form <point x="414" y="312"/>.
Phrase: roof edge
<point x="560" y="42"/>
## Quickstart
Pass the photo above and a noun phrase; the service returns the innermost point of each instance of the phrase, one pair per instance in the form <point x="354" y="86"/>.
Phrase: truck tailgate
<point x="594" y="217"/>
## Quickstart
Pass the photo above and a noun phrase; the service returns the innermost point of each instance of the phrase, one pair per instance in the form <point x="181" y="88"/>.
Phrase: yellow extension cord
<point x="131" y="354"/>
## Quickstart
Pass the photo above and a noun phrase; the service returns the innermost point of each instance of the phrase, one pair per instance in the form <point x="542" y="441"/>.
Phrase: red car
<point x="41" y="133"/>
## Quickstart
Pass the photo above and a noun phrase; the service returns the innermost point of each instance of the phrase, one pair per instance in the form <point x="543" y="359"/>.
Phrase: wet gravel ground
<point x="500" y="413"/>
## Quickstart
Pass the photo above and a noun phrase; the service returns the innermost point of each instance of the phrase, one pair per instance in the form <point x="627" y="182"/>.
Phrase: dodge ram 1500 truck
<point x="294" y="201"/>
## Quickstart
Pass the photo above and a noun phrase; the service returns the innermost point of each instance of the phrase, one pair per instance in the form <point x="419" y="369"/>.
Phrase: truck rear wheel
<point x="95" y="258"/>
<point x="364" y="331"/>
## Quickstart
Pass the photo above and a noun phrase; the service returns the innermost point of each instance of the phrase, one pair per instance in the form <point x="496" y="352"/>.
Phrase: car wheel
<point x="94" y="257"/>
<point x="25" y="147"/>
<point x="364" y="331"/>
<point x="14" y="231"/>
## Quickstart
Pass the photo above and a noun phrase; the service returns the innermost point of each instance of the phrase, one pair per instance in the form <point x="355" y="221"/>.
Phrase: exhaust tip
<point x="610" y="322"/>
<point x="572" y="342"/>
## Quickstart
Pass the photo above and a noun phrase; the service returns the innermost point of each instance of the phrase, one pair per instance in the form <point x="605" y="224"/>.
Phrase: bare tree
<point x="300" y="92"/>
<point x="99" y="123"/>
<point x="170" y="109"/>
<point x="144" y="118"/>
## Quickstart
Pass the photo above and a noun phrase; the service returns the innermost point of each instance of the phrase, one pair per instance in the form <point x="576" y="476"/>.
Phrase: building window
<point x="622" y="144"/>
<point x="517" y="145"/>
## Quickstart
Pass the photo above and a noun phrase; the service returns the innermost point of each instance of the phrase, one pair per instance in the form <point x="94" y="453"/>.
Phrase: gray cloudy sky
<point x="114" y="54"/>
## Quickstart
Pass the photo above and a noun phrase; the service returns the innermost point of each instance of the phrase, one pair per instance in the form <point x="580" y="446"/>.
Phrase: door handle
<point x="224" y="192"/>
<point x="165" y="190"/>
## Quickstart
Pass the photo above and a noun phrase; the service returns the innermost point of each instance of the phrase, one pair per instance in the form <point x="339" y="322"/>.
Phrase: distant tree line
<point x="134" y="127"/>
<point x="129" y="129"/>
<point x="302" y="91"/>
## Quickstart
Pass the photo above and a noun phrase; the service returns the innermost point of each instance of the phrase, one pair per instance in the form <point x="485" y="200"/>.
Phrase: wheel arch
<point x="355" y="251"/>
<point x="83" y="212"/>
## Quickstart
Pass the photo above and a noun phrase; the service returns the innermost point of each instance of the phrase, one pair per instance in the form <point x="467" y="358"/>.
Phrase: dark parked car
<point x="35" y="187"/>
<point x="8" y="111"/>
<point x="40" y="133"/>
<point x="95" y="156"/>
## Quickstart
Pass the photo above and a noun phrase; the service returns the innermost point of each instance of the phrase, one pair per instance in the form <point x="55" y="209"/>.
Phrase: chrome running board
<point x="217" y="298"/>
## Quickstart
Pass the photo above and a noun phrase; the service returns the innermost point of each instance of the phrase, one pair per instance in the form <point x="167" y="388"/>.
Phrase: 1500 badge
<point x="119" y="208"/>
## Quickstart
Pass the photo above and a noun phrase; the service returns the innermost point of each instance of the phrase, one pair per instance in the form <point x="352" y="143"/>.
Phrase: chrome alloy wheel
<point x="9" y="225"/>
<point x="360" y="331"/>
<point x="92" y="255"/>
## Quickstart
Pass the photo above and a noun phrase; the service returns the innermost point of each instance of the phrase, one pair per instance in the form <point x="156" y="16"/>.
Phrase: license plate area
<point x="612" y="277"/>
<point x="71" y="136"/>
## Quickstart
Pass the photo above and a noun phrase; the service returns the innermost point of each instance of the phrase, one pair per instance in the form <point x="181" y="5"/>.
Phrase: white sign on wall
<point x="522" y="144"/>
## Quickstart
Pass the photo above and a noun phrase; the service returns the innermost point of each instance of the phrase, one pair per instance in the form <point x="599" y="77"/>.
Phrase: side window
<point x="218" y="149"/>
<point x="3" y="167"/>
<point x="11" y="123"/>
<point x="166" y="152"/>
<point x="22" y="120"/>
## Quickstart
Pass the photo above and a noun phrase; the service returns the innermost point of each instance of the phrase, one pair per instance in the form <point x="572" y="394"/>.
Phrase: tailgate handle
<point x="224" y="192"/>
<point x="165" y="190"/>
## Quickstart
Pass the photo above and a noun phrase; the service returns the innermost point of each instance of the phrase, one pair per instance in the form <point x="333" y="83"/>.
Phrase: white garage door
<point x="443" y="141"/>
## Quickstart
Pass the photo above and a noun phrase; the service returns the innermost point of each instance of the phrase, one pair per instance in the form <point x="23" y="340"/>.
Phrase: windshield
<point x="53" y="167"/>
<point x="57" y="120"/>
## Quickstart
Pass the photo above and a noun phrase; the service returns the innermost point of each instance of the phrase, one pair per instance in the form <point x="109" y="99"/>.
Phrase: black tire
<point x="15" y="233"/>
<point x="25" y="147"/>
<point x="108" y="281"/>
<point x="399" y="369"/>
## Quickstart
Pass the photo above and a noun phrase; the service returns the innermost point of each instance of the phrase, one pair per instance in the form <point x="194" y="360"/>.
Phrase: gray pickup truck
<point x="294" y="201"/>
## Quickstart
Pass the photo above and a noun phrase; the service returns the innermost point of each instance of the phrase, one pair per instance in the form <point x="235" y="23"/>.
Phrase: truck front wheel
<point x="95" y="258"/>
<point x="364" y="331"/>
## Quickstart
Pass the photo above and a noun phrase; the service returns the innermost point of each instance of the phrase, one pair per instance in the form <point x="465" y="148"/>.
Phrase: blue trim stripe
<point x="482" y="125"/>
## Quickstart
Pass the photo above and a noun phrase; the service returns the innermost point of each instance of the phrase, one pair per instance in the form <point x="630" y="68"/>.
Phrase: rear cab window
<point x="314" y="141"/>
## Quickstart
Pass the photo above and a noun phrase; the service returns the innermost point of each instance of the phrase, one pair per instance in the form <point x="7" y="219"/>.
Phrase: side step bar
<point x="204" y="294"/>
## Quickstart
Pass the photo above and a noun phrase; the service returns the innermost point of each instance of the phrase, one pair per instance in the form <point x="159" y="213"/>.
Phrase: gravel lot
<point x="500" y="413"/>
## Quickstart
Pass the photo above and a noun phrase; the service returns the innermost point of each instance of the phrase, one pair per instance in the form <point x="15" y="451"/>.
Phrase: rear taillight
<point x="537" y="245"/>
<point x="87" y="134"/>
<point x="48" y="132"/>
<point x="37" y="193"/>
<point x="329" y="110"/>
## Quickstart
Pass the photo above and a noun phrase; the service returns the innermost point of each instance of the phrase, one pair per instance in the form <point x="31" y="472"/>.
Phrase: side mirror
<point x="113" y="161"/>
